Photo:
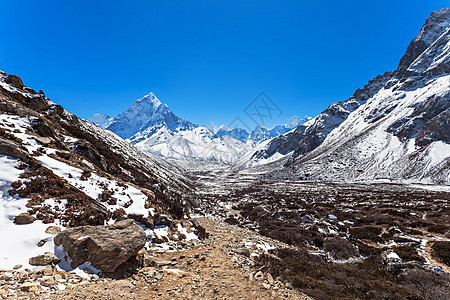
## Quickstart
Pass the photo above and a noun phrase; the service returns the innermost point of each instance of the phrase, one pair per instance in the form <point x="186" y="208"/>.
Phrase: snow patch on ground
<point x="19" y="241"/>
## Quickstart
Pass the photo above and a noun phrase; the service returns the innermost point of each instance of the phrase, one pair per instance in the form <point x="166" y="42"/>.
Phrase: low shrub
<point x="340" y="248"/>
<point x="441" y="250"/>
<point x="367" y="233"/>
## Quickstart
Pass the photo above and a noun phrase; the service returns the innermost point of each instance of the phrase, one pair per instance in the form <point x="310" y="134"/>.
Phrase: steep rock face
<point x="400" y="132"/>
<point x="435" y="26"/>
<point x="105" y="247"/>
<point x="334" y="115"/>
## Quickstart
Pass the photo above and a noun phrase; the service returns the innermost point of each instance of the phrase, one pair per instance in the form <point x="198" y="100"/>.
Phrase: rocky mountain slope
<point x="394" y="128"/>
<point x="58" y="172"/>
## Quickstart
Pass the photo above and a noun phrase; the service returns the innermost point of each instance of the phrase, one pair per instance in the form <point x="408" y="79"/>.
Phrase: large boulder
<point x="15" y="81"/>
<point x="106" y="247"/>
<point x="11" y="148"/>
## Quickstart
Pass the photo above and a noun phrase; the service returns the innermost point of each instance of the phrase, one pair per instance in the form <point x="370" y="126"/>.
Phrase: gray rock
<point x="106" y="247"/>
<point x="45" y="141"/>
<point x="54" y="230"/>
<point x="12" y="149"/>
<point x="243" y="252"/>
<point x="199" y="229"/>
<point x="47" y="281"/>
<point x="30" y="287"/>
<point x="38" y="270"/>
<point x="45" y="259"/>
<point x="145" y="259"/>
<point x="259" y="275"/>
<point x="94" y="278"/>
<point x="163" y="263"/>
<point x="88" y="271"/>
<point x="7" y="276"/>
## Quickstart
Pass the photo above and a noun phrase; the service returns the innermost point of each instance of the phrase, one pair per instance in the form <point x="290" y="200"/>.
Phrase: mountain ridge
<point x="406" y="113"/>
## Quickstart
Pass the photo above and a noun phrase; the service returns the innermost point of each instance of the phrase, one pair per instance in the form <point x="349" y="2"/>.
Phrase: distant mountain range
<point x="260" y="133"/>
<point x="152" y="127"/>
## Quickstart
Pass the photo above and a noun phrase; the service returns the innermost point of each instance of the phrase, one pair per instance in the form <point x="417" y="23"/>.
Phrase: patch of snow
<point x="189" y="235"/>
<point x="19" y="241"/>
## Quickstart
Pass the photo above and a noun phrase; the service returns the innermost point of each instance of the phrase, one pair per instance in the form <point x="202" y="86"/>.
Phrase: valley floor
<point x="293" y="240"/>
<point x="220" y="267"/>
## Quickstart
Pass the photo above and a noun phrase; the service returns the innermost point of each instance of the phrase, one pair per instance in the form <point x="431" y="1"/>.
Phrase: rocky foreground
<point x="222" y="266"/>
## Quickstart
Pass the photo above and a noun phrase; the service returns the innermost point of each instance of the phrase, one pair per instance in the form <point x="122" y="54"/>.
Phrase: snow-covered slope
<point x="198" y="144"/>
<point x="60" y="170"/>
<point x="312" y="133"/>
<point x="399" y="130"/>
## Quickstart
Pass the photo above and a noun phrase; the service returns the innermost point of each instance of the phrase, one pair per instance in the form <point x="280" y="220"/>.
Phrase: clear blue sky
<point x="206" y="59"/>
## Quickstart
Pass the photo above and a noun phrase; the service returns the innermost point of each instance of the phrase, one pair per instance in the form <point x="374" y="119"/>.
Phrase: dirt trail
<point x="219" y="268"/>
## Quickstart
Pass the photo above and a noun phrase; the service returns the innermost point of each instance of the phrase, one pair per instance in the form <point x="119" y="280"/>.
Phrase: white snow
<point x="393" y="255"/>
<point x="191" y="144"/>
<point x="19" y="241"/>
<point x="189" y="235"/>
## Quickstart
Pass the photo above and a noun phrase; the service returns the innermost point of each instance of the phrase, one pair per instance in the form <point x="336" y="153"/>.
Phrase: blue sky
<point x="206" y="59"/>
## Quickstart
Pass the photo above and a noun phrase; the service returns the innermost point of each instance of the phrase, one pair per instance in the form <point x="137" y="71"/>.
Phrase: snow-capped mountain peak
<point x="150" y="98"/>
<point x="146" y="114"/>
<point x="261" y="133"/>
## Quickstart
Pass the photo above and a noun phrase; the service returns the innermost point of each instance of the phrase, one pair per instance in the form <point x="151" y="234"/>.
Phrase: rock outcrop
<point x="105" y="247"/>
